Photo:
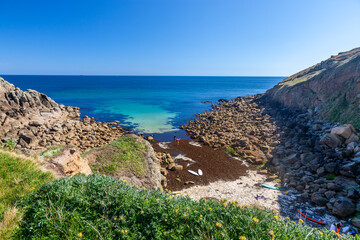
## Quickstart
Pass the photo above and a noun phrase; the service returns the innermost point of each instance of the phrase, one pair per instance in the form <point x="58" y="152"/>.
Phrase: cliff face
<point x="331" y="88"/>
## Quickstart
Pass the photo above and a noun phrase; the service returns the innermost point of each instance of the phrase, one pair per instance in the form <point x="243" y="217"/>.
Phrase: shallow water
<point x="148" y="104"/>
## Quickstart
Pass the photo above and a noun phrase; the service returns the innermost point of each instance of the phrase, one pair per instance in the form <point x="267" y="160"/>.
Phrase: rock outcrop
<point x="149" y="176"/>
<point x="331" y="88"/>
<point x="69" y="163"/>
<point x="36" y="122"/>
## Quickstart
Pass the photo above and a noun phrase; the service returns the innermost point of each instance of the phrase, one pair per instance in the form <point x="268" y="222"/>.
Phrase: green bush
<point x="102" y="207"/>
<point x="9" y="144"/>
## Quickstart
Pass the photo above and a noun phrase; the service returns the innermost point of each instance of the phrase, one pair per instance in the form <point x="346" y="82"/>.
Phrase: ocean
<point x="152" y="105"/>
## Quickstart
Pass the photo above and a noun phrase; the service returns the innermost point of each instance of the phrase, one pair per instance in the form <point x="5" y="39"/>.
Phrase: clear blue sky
<point x="174" y="37"/>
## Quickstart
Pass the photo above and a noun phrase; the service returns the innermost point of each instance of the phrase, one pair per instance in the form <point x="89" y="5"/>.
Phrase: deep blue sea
<point x="147" y="104"/>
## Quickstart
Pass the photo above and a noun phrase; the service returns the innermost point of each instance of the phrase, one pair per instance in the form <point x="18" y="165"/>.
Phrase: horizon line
<point x="140" y="75"/>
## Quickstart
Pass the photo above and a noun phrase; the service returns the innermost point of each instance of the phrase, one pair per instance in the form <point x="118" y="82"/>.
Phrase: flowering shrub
<point x="101" y="207"/>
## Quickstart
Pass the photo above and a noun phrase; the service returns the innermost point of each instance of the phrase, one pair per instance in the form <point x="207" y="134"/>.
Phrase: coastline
<point x="252" y="129"/>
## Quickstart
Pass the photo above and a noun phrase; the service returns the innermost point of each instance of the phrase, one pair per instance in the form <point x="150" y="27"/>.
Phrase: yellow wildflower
<point x="80" y="234"/>
<point x="210" y="208"/>
<point x="225" y="204"/>
<point x="276" y="217"/>
<point x="121" y="218"/>
<point x="274" y="210"/>
<point x="142" y="212"/>
<point x="122" y="231"/>
<point x="115" y="219"/>
<point x="218" y="224"/>
<point x="301" y="221"/>
<point x="242" y="238"/>
<point x="321" y="233"/>
<point x="176" y="210"/>
<point x="255" y="220"/>
<point x="195" y="211"/>
<point x="157" y="199"/>
<point x="170" y="197"/>
<point x="137" y="186"/>
<point x="272" y="234"/>
<point x="287" y="218"/>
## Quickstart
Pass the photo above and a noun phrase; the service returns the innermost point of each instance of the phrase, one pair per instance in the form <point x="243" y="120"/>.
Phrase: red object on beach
<point x="313" y="218"/>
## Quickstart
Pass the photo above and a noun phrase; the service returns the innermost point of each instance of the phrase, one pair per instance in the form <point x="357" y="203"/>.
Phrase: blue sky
<point x="174" y="37"/>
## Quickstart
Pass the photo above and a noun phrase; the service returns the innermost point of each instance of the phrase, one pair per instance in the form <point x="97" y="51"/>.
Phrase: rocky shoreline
<point x="316" y="159"/>
<point x="33" y="122"/>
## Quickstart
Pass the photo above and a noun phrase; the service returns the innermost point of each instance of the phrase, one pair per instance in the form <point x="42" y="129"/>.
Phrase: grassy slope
<point x="99" y="207"/>
<point x="123" y="154"/>
<point x="17" y="178"/>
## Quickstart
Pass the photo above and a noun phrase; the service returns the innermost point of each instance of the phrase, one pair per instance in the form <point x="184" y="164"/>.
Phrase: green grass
<point x="231" y="151"/>
<point x="17" y="178"/>
<point x="123" y="154"/>
<point x="102" y="207"/>
<point x="52" y="152"/>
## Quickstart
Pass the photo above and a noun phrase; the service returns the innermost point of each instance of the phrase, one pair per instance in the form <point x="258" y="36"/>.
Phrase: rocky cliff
<point x="330" y="88"/>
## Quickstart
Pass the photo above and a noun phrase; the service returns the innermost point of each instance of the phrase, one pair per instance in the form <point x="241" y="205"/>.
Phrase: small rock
<point x="318" y="199"/>
<point x="179" y="167"/>
<point x="188" y="182"/>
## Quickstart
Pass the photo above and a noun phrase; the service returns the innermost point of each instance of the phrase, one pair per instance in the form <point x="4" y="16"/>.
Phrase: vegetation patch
<point x="18" y="177"/>
<point x="231" y="151"/>
<point x="330" y="177"/>
<point x="9" y="144"/>
<point x="102" y="207"/>
<point x="52" y="152"/>
<point x="123" y="154"/>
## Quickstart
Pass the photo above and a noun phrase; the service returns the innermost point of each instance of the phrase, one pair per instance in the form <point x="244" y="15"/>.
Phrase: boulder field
<point x="316" y="158"/>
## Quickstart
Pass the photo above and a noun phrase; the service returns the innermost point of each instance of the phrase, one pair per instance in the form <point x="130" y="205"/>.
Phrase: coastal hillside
<point x="330" y="87"/>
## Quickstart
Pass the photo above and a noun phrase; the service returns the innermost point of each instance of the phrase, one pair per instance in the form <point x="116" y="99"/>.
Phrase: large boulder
<point x="343" y="207"/>
<point x="69" y="163"/>
<point x="331" y="140"/>
<point x="344" y="132"/>
<point x="27" y="136"/>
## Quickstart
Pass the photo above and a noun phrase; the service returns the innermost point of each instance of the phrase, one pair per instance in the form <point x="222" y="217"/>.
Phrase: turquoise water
<point x="147" y="104"/>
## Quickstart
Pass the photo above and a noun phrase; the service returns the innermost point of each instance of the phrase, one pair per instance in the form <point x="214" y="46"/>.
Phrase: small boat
<point x="193" y="173"/>
<point x="271" y="187"/>
<point x="312" y="218"/>
<point x="200" y="172"/>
